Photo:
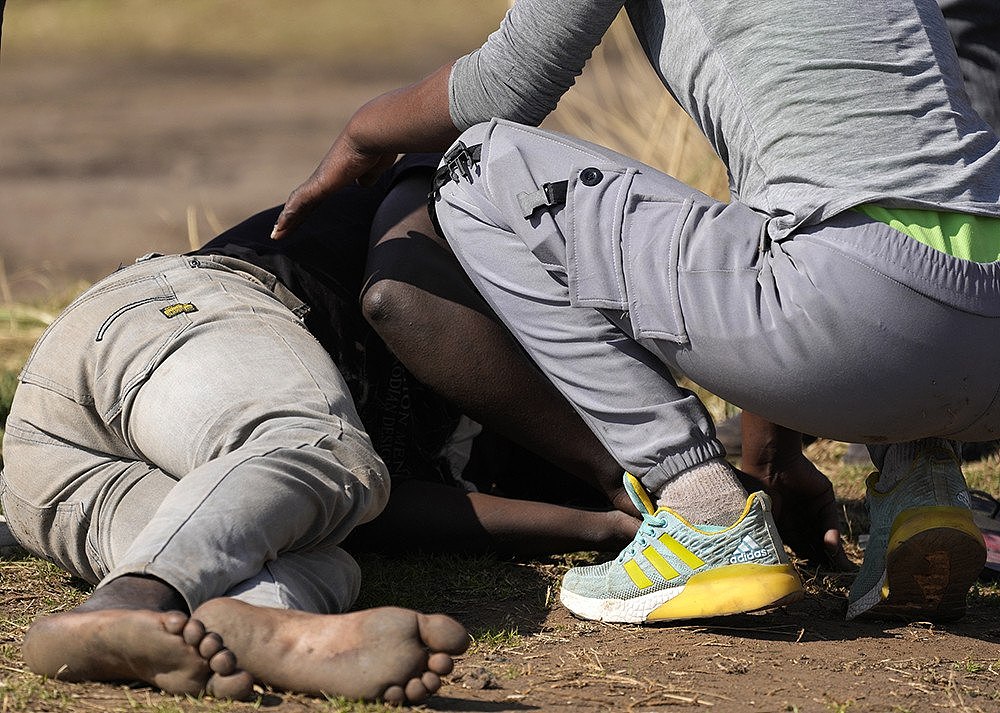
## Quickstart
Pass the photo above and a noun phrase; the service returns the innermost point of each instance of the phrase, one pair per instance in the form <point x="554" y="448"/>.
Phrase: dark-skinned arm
<point x="413" y="118"/>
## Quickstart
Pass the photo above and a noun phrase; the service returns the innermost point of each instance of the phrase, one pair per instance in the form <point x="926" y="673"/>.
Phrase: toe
<point x="394" y="695"/>
<point x="440" y="664"/>
<point x="442" y="633"/>
<point x="210" y="645"/>
<point x="431" y="681"/>
<point x="415" y="690"/>
<point x="223" y="662"/>
<point x="174" y="622"/>
<point x="194" y="632"/>
<point x="237" y="686"/>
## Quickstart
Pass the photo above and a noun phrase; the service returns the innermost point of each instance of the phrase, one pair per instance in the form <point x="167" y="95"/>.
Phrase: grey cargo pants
<point x="849" y="329"/>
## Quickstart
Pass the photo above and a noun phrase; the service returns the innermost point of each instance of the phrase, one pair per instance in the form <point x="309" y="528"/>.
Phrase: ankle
<point x="135" y="592"/>
<point x="709" y="493"/>
<point x="898" y="459"/>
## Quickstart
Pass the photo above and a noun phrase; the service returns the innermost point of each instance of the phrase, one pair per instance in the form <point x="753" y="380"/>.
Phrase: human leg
<point x="256" y="432"/>
<point x="62" y="467"/>
<point x="299" y="453"/>
<point x="772" y="327"/>
<point x="287" y="456"/>
<point x="924" y="551"/>
<point x="420" y="302"/>
<point x="656" y="430"/>
<point x="519" y="265"/>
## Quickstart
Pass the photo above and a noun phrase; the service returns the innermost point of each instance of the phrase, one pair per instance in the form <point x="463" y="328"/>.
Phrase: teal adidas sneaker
<point x="924" y="551"/>
<point x="675" y="570"/>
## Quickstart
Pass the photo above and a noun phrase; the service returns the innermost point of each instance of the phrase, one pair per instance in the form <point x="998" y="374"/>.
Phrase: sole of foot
<point x="169" y="650"/>
<point x="387" y="654"/>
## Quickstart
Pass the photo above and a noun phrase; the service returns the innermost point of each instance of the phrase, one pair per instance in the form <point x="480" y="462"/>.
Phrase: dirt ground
<point x="805" y="658"/>
<point x="142" y="146"/>
<point x="530" y="654"/>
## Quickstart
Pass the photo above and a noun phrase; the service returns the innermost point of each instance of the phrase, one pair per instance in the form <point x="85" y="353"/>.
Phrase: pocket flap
<point x="595" y="206"/>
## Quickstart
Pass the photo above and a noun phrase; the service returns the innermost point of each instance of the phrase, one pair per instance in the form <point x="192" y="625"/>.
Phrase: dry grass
<point x="526" y="650"/>
<point x="507" y="605"/>
<point x="332" y="33"/>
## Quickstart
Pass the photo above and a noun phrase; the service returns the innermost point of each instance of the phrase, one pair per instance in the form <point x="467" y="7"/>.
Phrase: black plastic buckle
<point x="455" y="165"/>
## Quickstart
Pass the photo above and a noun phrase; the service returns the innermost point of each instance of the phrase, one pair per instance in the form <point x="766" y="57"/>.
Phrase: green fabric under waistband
<point x="961" y="235"/>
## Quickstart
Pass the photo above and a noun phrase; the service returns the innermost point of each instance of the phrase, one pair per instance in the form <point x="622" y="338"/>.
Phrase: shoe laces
<point x="647" y="532"/>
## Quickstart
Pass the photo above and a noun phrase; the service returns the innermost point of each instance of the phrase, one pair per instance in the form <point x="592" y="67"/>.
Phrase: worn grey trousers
<point x="849" y="329"/>
<point x="178" y="421"/>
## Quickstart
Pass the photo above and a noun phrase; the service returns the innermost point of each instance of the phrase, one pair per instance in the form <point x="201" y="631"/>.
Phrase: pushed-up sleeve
<point x="524" y="67"/>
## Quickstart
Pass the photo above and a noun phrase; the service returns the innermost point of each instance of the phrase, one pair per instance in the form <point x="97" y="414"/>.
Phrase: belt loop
<point x="455" y="164"/>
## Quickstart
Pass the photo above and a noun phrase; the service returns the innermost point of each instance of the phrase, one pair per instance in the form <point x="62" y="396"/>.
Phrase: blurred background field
<point x="136" y="126"/>
<point x="139" y="126"/>
<point x="130" y="126"/>
<point x="394" y="36"/>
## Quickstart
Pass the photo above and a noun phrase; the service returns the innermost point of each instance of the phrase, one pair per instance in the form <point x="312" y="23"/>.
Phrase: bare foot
<point x="390" y="654"/>
<point x="166" y="649"/>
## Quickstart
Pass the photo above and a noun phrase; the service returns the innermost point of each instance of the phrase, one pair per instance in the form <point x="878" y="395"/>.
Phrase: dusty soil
<point x="530" y="654"/>
<point x="103" y="162"/>
<point x="805" y="658"/>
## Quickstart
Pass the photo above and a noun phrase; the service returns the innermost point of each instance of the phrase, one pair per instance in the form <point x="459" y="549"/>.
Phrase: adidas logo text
<point x="748" y="551"/>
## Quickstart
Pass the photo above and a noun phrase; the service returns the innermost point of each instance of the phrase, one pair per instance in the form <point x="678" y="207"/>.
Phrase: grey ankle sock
<point x="708" y="494"/>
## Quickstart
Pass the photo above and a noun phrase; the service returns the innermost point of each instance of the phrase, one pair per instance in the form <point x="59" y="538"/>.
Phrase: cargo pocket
<point x="595" y="206"/>
<point x="623" y="248"/>
<point x="653" y="230"/>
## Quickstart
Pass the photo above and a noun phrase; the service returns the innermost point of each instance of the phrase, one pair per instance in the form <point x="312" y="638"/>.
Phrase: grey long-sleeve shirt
<point x="814" y="106"/>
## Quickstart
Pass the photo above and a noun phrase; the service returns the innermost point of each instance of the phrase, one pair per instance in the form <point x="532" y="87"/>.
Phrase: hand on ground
<point x="805" y="510"/>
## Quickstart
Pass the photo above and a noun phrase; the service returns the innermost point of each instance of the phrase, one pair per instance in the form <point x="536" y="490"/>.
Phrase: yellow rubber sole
<point x="933" y="558"/>
<point x="734" y="589"/>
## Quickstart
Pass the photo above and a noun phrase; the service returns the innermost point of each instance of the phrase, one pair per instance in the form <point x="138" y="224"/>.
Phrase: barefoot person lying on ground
<point x="849" y="290"/>
<point x="159" y="441"/>
<point x="180" y="439"/>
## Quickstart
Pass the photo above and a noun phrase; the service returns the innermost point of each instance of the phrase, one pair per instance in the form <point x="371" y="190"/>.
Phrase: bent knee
<point x="387" y="303"/>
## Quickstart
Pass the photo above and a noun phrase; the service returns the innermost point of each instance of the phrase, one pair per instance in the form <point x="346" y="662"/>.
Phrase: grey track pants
<point x="178" y="421"/>
<point x="849" y="329"/>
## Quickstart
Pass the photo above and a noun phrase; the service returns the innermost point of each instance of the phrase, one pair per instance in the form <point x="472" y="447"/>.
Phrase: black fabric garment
<point x="323" y="263"/>
<point x="975" y="29"/>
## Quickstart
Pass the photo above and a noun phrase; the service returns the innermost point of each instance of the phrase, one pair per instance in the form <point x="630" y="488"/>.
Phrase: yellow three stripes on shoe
<point x="660" y="563"/>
